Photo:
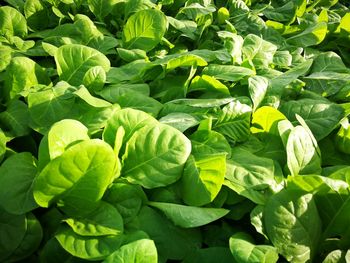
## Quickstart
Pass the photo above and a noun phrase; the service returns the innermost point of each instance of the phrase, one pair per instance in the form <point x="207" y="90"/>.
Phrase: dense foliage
<point x="189" y="131"/>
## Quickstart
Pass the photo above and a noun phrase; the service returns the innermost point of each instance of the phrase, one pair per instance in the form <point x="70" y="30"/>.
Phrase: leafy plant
<point x="174" y="131"/>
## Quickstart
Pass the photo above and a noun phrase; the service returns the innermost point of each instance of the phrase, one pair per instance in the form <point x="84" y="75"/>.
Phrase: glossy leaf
<point x="91" y="248"/>
<point x="140" y="251"/>
<point x="161" y="161"/>
<point x="203" y="178"/>
<point x="189" y="216"/>
<point x="293" y="225"/>
<point x="74" y="61"/>
<point x="103" y="221"/>
<point x="78" y="169"/>
<point x="244" y="250"/>
<point x="17" y="174"/>
<point x="144" y="30"/>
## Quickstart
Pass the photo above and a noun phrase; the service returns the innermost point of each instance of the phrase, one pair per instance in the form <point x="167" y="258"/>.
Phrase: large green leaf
<point x="249" y="175"/>
<point x="103" y="221"/>
<point x="127" y="198"/>
<point x="14" y="121"/>
<point x="74" y="61"/>
<point x="257" y="50"/>
<point x="90" y="248"/>
<point x="12" y="22"/>
<point x="17" y="174"/>
<point x="22" y="74"/>
<point x="227" y="72"/>
<point x="209" y="142"/>
<point x="293" y="225"/>
<point x="144" y="30"/>
<point x="321" y="116"/>
<point x="31" y="240"/>
<point x="78" y="178"/>
<point x="234" y="121"/>
<point x="257" y="87"/>
<point x="189" y="216"/>
<point x="244" y="250"/>
<point x="155" y="156"/>
<point x="311" y="36"/>
<point x="101" y="8"/>
<point x="303" y="156"/>
<point x="161" y="230"/>
<point x="50" y="105"/>
<point x="12" y="232"/>
<point x="139" y="251"/>
<point x="203" y="178"/>
<point x="62" y="134"/>
<point x="131" y="120"/>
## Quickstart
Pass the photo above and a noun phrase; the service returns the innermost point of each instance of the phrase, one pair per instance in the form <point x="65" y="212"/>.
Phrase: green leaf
<point x="336" y="256"/>
<point x="144" y="29"/>
<point x="127" y="198"/>
<point x="180" y="121"/>
<point x="5" y="57"/>
<point x="140" y="102"/>
<point x="113" y="92"/>
<point x="35" y="12"/>
<point x="64" y="133"/>
<point x="21" y="75"/>
<point x="103" y="221"/>
<point x="186" y="27"/>
<point x="257" y="87"/>
<point x="94" y="78"/>
<point x="316" y="184"/>
<point x="184" y="60"/>
<point x="12" y="23"/>
<point x="282" y="13"/>
<point x="293" y="225"/>
<point x="291" y="75"/>
<point x="74" y="61"/>
<point x="17" y="174"/>
<point x="162" y="158"/>
<point x="249" y="175"/>
<point x="257" y="50"/>
<point x="209" y="142"/>
<point x="227" y="72"/>
<point x="282" y="58"/>
<point x="75" y="180"/>
<point x="320" y="116"/>
<point x="313" y="35"/>
<point x="131" y="120"/>
<point x="244" y="250"/>
<point x="303" y="156"/>
<point x="31" y="240"/>
<point x="329" y="62"/>
<point x="266" y="119"/>
<point x="90" y="248"/>
<point x="161" y="230"/>
<point x="203" y="178"/>
<point x="50" y="105"/>
<point x="14" y="121"/>
<point x="334" y="211"/>
<point x="234" y="121"/>
<point x="131" y="55"/>
<point x="140" y="251"/>
<point x="189" y="216"/>
<point x="12" y="231"/>
<point x="101" y="8"/>
<point x="209" y="83"/>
